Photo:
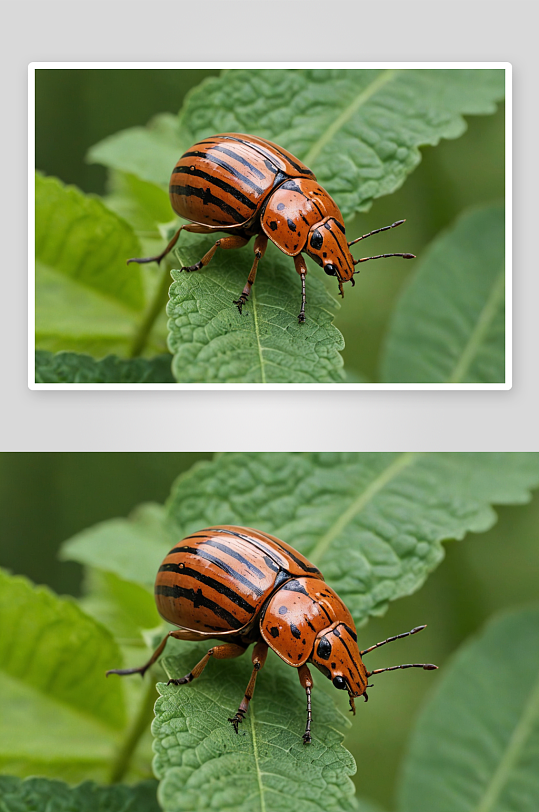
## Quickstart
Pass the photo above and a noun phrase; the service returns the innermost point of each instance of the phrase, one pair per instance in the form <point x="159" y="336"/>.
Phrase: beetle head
<point x="337" y="656"/>
<point x="327" y="245"/>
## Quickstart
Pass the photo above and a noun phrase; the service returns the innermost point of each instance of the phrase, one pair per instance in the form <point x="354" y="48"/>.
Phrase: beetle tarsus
<point x="307" y="737"/>
<point x="182" y="680"/>
<point x="188" y="268"/>
<point x="240" y="302"/>
<point x="237" y="719"/>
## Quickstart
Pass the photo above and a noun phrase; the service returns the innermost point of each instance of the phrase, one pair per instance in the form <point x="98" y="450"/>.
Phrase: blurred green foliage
<point x="46" y="498"/>
<point x="75" y="109"/>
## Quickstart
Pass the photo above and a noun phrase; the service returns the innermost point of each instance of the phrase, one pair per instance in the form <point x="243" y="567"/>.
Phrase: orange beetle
<point x="246" y="186"/>
<point x="243" y="586"/>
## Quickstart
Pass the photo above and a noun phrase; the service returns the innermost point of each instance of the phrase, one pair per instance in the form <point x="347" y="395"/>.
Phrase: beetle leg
<point x="225" y="243"/>
<point x="260" y="246"/>
<point x="194" y="227"/>
<point x="179" y="634"/>
<point x="307" y="682"/>
<point x="224" y="652"/>
<point x="301" y="268"/>
<point x="259" y="655"/>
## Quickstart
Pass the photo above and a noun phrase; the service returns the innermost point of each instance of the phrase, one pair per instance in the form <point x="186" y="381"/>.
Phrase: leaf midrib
<point x="515" y="745"/>
<point x="256" y="758"/>
<point x="360" y="502"/>
<point x="257" y="334"/>
<point x="480" y="330"/>
<point x="347" y="113"/>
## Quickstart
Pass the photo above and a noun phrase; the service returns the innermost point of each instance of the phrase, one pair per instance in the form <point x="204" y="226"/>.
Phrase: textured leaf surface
<point x="130" y="548"/>
<point x="373" y="523"/>
<point x="78" y="237"/>
<point x="70" y="367"/>
<point x="40" y="794"/>
<point x="449" y="325"/>
<point x="204" y="765"/>
<point x="358" y="130"/>
<point x="50" y="645"/>
<point x="213" y="343"/>
<point x="476" y="744"/>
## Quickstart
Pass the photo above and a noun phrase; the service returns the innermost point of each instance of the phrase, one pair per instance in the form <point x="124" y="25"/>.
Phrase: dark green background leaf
<point x="70" y="367"/>
<point x="40" y="794"/>
<point x="449" y="325"/>
<point x="476" y="744"/>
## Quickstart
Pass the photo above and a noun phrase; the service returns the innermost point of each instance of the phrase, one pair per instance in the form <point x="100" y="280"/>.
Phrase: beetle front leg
<point x="225" y="652"/>
<point x="224" y="243"/>
<point x="260" y="652"/>
<point x="301" y="268"/>
<point x="307" y="682"/>
<point x="195" y="228"/>
<point x="261" y="243"/>
<point x="179" y="634"/>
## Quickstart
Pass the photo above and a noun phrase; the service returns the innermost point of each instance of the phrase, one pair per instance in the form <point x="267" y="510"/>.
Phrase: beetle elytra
<point x="241" y="586"/>
<point x="246" y="186"/>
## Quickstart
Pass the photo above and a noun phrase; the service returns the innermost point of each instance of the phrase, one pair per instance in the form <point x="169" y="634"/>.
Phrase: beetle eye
<point x="340" y="683"/>
<point x="330" y="269"/>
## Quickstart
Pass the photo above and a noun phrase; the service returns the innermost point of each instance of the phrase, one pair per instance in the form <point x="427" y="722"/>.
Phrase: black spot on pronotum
<point x="283" y="610"/>
<point x="324" y="649"/>
<point x="334" y="665"/>
<point x="316" y="240"/>
<point x="273" y="225"/>
<point x="274" y="631"/>
<point x="280" y="206"/>
<point x="295" y="631"/>
<point x="291" y="224"/>
<point x="295" y="586"/>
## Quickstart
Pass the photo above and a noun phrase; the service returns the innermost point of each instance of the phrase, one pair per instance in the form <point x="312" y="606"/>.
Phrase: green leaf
<point x="123" y="607"/>
<point x="374" y="523"/>
<point x="475" y="745"/>
<point x="449" y="325"/>
<point x="78" y="237"/>
<point x="37" y="794"/>
<point x="49" y="644"/>
<point x="60" y="716"/>
<point x="70" y="367"/>
<point x="213" y="343"/>
<point x="130" y="548"/>
<point x="358" y="130"/>
<point x="149" y="152"/>
<point x="204" y="765"/>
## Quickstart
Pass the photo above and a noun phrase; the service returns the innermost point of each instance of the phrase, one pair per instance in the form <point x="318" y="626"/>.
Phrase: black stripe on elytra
<point x="215" y="145"/>
<point x="351" y="632"/>
<point x="223" y="566"/>
<point x="303" y="170"/>
<point x="211" y="582"/>
<point x="198" y="599"/>
<point x="222" y="184"/>
<point x="298" y="561"/>
<point x="233" y="554"/>
<point x="223" y="164"/>
<point x="255" y="543"/>
<point x="207" y="197"/>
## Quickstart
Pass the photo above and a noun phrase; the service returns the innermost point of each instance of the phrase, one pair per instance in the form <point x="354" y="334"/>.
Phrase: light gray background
<point x="251" y="30"/>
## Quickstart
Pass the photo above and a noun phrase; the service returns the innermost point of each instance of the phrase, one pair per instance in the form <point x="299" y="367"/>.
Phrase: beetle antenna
<point x="390" y="639"/>
<point x="383" y="256"/>
<point x="377" y="231"/>
<point x="424" y="666"/>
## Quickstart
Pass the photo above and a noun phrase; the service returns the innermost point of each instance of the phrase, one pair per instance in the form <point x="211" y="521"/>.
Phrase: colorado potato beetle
<point x="244" y="186"/>
<point x="243" y="586"/>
